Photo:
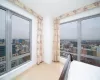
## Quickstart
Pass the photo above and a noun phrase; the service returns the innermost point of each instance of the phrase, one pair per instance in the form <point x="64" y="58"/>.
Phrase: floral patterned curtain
<point x="56" y="41"/>
<point x="80" y="10"/>
<point x="39" y="41"/>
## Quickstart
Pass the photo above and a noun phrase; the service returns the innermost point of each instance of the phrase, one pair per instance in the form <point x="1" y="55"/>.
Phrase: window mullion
<point x="79" y="40"/>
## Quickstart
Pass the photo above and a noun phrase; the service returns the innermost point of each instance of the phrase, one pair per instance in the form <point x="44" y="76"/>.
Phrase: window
<point x="15" y="38"/>
<point x="68" y="42"/>
<point x="81" y="39"/>
<point x="20" y="40"/>
<point x="90" y="42"/>
<point x="2" y="41"/>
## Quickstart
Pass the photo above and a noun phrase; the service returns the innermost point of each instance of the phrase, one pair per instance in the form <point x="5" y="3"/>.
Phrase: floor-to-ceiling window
<point x="2" y="41"/>
<point x="20" y="41"/>
<point x="90" y="41"/>
<point x="15" y="40"/>
<point x="81" y="37"/>
<point x="68" y="42"/>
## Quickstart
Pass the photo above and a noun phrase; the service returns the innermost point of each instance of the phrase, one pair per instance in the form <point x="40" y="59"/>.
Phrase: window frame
<point x="8" y="38"/>
<point x="79" y="35"/>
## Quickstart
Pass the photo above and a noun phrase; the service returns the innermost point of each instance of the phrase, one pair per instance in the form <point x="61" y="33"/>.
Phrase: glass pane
<point x="24" y="59"/>
<point x="2" y="68"/>
<point x="20" y="36"/>
<point x="74" y="57"/>
<point x="65" y="55"/>
<point x="14" y="63"/>
<point x="20" y="40"/>
<point x="91" y="40"/>
<point x="68" y="38"/>
<point x="91" y="37"/>
<point x="17" y="62"/>
<point x="2" y="41"/>
<point x="91" y="61"/>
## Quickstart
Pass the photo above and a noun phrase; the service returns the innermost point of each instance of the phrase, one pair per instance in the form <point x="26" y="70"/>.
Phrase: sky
<point x="20" y="27"/>
<point x="2" y="24"/>
<point x="90" y="29"/>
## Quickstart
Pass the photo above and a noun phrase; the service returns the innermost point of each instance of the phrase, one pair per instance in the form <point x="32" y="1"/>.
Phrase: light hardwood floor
<point x="42" y="72"/>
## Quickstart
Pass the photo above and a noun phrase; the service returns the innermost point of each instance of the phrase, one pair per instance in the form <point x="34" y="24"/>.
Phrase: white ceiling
<point x="55" y="8"/>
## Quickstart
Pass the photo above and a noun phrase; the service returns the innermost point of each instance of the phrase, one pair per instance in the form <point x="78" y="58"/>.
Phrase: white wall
<point x="48" y="38"/>
<point x="81" y="15"/>
<point x="17" y="71"/>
